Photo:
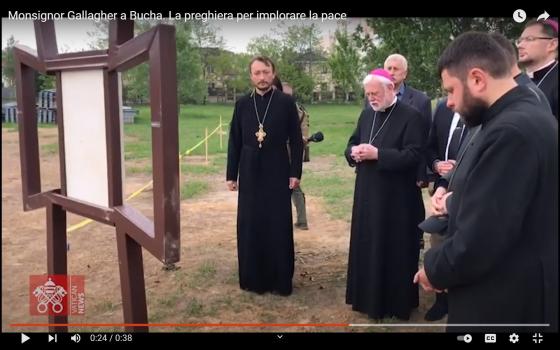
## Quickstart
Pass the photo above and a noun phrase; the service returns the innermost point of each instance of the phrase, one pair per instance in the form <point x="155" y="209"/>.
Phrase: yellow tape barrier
<point x="187" y="152"/>
<point x="143" y="188"/>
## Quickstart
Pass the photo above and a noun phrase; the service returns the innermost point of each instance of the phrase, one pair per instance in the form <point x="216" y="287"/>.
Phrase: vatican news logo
<point x="57" y="295"/>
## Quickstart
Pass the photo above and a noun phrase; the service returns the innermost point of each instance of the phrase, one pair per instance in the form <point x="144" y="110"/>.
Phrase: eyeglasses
<point x="531" y="39"/>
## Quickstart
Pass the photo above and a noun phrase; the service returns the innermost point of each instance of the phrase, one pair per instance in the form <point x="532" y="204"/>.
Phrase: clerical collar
<point x="266" y="94"/>
<point x="539" y="72"/>
<point x="517" y="93"/>
<point x="389" y="106"/>
<point x="540" y="76"/>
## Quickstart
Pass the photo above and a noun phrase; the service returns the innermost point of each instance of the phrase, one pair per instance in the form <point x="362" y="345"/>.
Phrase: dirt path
<point x="205" y="287"/>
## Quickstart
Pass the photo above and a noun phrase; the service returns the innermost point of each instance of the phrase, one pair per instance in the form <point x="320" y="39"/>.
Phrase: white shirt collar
<point x="530" y="74"/>
<point x="392" y="103"/>
<point x="452" y="127"/>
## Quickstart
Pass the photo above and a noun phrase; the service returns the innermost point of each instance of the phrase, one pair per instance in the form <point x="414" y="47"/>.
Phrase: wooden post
<point x="56" y="254"/>
<point x="221" y="133"/>
<point x="134" y="231"/>
<point x="206" y="144"/>
<point x="133" y="290"/>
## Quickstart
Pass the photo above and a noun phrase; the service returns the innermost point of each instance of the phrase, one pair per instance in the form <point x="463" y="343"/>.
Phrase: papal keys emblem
<point x="50" y="293"/>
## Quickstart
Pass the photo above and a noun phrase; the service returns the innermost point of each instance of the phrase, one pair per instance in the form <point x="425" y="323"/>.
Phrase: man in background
<point x="538" y="54"/>
<point x="499" y="261"/>
<point x="520" y="77"/>
<point x="298" y="197"/>
<point x="397" y="65"/>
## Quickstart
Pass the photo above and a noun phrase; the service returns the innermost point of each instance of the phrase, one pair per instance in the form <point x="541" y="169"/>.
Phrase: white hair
<point x="397" y="57"/>
<point x="371" y="78"/>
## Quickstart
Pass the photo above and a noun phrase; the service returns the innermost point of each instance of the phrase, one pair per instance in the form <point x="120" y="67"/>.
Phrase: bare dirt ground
<point x="205" y="287"/>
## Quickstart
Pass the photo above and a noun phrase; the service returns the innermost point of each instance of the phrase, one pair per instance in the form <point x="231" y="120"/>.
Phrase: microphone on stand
<point x="316" y="137"/>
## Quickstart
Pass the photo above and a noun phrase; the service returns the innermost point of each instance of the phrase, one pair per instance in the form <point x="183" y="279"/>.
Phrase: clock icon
<point x="519" y="16"/>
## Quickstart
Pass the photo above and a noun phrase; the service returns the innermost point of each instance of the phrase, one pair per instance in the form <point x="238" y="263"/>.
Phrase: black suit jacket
<point x="421" y="102"/>
<point x="549" y="85"/>
<point x="523" y="79"/>
<point x="439" y="133"/>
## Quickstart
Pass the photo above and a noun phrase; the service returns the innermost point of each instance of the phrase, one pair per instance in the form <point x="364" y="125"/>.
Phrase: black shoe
<point x="301" y="226"/>
<point x="438" y="310"/>
<point x="282" y="294"/>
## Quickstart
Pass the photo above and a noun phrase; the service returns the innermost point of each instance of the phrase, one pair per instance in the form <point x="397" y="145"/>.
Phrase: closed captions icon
<point x="490" y="338"/>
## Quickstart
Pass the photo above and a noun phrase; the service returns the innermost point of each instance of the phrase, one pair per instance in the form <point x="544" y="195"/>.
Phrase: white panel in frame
<point x="85" y="141"/>
<point x="121" y="125"/>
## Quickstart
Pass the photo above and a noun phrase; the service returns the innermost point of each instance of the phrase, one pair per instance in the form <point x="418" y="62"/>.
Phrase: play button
<point x="24" y="338"/>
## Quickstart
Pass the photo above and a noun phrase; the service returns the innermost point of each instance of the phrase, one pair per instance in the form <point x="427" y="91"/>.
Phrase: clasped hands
<point x="364" y="151"/>
<point x="421" y="278"/>
<point x="439" y="201"/>
<point x="443" y="167"/>
<point x="439" y="207"/>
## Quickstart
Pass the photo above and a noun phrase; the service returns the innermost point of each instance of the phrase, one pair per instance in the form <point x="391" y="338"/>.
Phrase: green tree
<point x="204" y="36"/>
<point x="302" y="82"/>
<point x="302" y="39"/>
<point x="8" y="64"/>
<point x="136" y="79"/>
<point x="42" y="81"/>
<point x="231" y="69"/>
<point x="345" y="62"/>
<point x="421" y="41"/>
<point x="295" y="51"/>
<point x="265" y="45"/>
<point x="241" y="81"/>
<point x="99" y="37"/>
<point x="192" y="87"/>
<point x="190" y="83"/>
<point x="303" y="50"/>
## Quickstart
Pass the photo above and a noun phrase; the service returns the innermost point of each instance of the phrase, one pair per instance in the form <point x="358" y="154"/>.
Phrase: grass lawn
<point x="335" y="121"/>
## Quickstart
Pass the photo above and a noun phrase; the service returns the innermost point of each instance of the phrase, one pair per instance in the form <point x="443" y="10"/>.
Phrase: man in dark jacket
<point x="499" y="262"/>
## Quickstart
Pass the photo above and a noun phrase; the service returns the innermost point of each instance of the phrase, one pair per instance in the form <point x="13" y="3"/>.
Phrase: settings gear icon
<point x="513" y="338"/>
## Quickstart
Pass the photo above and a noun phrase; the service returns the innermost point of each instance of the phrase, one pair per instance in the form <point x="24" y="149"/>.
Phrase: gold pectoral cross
<point x="260" y="135"/>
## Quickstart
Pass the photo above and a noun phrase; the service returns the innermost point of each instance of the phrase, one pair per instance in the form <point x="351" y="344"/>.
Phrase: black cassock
<point x="388" y="206"/>
<point x="499" y="261"/>
<point x="265" y="243"/>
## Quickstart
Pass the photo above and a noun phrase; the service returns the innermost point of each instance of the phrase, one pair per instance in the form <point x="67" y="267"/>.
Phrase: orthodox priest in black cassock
<point x="263" y="168"/>
<point x="384" y="246"/>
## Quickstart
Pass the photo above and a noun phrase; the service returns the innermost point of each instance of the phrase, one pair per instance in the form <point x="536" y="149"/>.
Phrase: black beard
<point x="473" y="109"/>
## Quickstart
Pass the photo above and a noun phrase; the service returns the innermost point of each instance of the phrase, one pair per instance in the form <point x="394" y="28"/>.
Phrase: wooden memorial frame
<point x="161" y="237"/>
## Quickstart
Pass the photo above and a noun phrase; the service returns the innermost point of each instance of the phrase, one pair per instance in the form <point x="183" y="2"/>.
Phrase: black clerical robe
<point x="547" y="80"/>
<point x="500" y="260"/>
<point x="264" y="216"/>
<point x="388" y="206"/>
